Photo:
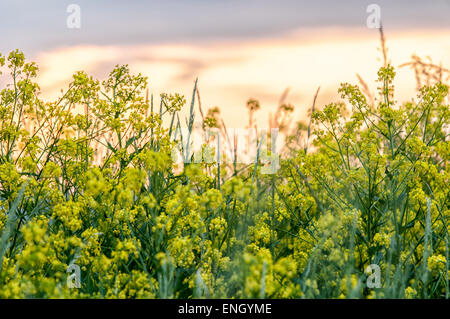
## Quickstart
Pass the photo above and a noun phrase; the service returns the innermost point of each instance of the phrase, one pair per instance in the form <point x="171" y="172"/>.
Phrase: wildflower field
<point x="358" y="206"/>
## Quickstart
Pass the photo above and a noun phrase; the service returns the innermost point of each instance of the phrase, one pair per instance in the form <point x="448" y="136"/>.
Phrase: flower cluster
<point x="86" y="182"/>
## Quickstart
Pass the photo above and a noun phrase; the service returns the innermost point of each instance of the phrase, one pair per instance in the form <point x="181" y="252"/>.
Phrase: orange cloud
<point x="231" y="72"/>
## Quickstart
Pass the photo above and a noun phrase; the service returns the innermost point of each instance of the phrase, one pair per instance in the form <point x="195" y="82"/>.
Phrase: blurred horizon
<point x="237" y="49"/>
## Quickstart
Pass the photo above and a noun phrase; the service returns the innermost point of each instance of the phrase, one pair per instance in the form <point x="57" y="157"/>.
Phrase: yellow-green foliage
<point x="88" y="180"/>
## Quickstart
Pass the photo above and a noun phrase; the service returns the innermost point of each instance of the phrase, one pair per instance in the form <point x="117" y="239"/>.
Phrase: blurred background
<point x="238" y="49"/>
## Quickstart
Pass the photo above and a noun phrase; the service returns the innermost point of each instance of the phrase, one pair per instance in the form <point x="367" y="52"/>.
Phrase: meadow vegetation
<point x="89" y="180"/>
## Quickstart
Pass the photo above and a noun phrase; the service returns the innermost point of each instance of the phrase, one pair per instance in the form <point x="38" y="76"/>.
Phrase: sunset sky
<point x="237" y="49"/>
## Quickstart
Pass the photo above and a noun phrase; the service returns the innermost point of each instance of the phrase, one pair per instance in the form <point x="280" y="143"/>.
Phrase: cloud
<point x="230" y="72"/>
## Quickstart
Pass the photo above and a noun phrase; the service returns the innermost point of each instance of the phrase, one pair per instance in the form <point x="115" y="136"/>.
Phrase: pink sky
<point x="230" y="72"/>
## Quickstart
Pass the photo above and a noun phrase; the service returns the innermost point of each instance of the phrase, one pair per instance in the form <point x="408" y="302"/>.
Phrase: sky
<point x="238" y="49"/>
